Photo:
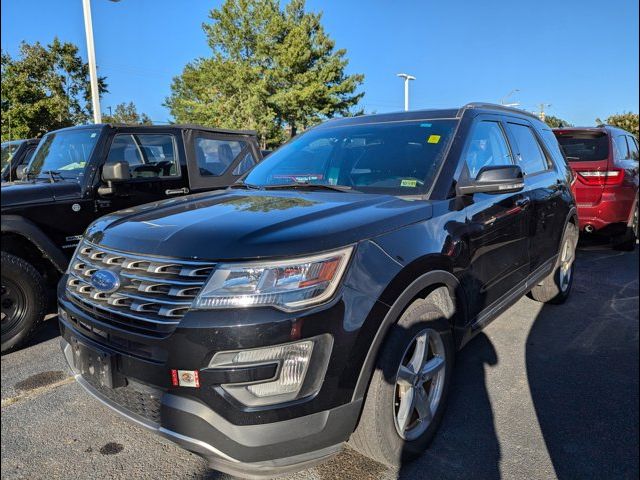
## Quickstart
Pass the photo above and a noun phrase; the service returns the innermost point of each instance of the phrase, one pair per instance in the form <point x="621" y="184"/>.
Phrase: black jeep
<point x="79" y="174"/>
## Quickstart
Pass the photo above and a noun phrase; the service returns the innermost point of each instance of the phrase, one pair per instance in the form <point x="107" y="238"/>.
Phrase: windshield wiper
<point x="310" y="186"/>
<point x="53" y="174"/>
<point x="249" y="186"/>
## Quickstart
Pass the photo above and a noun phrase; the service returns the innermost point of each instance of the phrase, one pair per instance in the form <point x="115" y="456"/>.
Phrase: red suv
<point x="604" y="160"/>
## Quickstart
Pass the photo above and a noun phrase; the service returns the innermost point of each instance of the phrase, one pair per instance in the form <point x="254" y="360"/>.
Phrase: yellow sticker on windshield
<point x="433" y="139"/>
<point x="408" y="183"/>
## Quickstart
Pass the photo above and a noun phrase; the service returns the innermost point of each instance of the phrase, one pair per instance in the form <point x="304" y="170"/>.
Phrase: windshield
<point x="396" y="158"/>
<point x="8" y="149"/>
<point x="584" y="146"/>
<point x="65" y="153"/>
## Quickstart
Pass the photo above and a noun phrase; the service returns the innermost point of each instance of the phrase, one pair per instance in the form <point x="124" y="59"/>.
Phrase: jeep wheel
<point x="406" y="398"/>
<point x="23" y="300"/>
<point x="556" y="287"/>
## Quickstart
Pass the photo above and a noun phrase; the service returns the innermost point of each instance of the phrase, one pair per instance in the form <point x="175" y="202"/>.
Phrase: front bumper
<point x="258" y="443"/>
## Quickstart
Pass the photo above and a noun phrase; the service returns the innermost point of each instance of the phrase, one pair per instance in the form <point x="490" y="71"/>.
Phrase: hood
<point x="240" y="224"/>
<point x="26" y="193"/>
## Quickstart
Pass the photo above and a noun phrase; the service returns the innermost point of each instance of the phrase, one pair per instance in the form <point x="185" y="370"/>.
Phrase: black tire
<point x="554" y="289"/>
<point x="23" y="300"/>
<point x="377" y="436"/>
<point x="627" y="241"/>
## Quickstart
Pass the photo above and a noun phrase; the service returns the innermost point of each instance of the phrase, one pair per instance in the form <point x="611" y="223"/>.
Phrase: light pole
<point x="503" y="101"/>
<point x="93" y="75"/>
<point x="407" y="78"/>
<point x="91" y="53"/>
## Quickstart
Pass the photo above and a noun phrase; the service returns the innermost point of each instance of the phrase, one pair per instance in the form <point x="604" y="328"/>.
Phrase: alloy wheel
<point x="566" y="265"/>
<point x="419" y="384"/>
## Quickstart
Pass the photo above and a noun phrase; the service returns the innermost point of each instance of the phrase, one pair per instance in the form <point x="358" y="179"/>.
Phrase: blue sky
<point x="580" y="56"/>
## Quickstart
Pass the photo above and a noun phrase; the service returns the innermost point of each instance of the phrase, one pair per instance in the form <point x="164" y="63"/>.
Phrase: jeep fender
<point x="432" y="278"/>
<point x="30" y="231"/>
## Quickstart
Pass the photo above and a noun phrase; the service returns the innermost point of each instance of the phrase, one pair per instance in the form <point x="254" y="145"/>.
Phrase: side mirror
<point x="21" y="172"/>
<point x="113" y="172"/>
<point x="495" y="179"/>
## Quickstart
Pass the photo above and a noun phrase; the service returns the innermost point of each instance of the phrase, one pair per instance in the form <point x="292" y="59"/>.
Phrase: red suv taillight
<point x="613" y="176"/>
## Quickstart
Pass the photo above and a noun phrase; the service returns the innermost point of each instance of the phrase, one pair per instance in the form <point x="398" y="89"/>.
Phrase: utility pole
<point x="541" y="113"/>
<point x="95" y="93"/>
<point x="407" y="78"/>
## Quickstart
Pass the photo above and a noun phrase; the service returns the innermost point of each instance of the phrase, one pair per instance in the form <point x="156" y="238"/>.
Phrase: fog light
<point x="301" y="369"/>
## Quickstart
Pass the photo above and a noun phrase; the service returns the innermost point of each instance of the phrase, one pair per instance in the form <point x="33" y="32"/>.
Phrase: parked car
<point x="81" y="173"/>
<point x="605" y="162"/>
<point x="14" y="154"/>
<point x="322" y="299"/>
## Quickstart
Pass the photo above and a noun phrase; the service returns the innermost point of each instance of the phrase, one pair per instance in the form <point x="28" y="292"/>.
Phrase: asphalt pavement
<point x="544" y="392"/>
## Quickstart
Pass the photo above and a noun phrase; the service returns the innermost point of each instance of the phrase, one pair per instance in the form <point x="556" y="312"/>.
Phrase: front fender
<point x="25" y="228"/>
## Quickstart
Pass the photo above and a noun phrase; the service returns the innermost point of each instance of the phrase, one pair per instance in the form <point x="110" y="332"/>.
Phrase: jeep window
<point x="584" y="146"/>
<point x="65" y="153"/>
<point x="8" y="149"/>
<point x="148" y="155"/>
<point x="554" y="147"/>
<point x="396" y="158"/>
<point x="215" y="156"/>
<point x="531" y="158"/>
<point x="487" y="147"/>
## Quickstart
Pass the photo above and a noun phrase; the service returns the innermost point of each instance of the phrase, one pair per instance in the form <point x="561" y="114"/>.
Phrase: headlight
<point x="287" y="284"/>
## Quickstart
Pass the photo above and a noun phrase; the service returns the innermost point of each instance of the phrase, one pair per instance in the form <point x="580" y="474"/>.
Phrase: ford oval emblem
<point x="105" y="281"/>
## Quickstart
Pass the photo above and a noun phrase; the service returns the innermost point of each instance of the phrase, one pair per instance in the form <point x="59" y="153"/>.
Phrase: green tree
<point x="43" y="89"/>
<point x="271" y="70"/>
<point x="627" y="121"/>
<point x="555" y="122"/>
<point x="127" y="113"/>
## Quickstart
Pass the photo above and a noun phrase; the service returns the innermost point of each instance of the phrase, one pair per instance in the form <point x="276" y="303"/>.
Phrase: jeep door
<point x="156" y="165"/>
<point x="216" y="160"/>
<point x="497" y="223"/>
<point x="543" y="190"/>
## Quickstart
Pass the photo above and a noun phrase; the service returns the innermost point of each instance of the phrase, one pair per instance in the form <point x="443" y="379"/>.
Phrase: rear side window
<point x="487" y="147"/>
<point x="633" y="148"/>
<point x="553" y="146"/>
<point x="215" y="156"/>
<point x="621" y="148"/>
<point x="584" y="146"/>
<point x="246" y="164"/>
<point x="531" y="157"/>
<point x="148" y="155"/>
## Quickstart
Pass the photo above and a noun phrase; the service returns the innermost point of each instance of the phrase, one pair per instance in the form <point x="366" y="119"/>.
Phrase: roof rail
<point x="495" y="106"/>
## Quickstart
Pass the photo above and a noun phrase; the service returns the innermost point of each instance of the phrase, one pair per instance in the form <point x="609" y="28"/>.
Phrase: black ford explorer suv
<point x="81" y="173"/>
<point x="322" y="299"/>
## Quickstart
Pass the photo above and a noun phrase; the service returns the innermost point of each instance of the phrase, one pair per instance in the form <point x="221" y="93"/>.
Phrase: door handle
<point x="523" y="202"/>
<point x="176" y="191"/>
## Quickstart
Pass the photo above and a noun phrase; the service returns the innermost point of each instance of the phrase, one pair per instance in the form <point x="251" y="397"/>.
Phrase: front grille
<point x="154" y="292"/>
<point x="146" y="405"/>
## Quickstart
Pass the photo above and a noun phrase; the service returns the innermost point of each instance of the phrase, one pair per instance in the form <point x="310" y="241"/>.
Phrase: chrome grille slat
<point x="154" y="291"/>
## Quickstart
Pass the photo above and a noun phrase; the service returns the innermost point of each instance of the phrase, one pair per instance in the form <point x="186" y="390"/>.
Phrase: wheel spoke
<point x="420" y="352"/>
<point x="407" y="405"/>
<point x="406" y="376"/>
<point x="431" y="368"/>
<point x="422" y="405"/>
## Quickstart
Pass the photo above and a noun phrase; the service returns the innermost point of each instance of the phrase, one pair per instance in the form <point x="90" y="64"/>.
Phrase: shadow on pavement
<point x="582" y="369"/>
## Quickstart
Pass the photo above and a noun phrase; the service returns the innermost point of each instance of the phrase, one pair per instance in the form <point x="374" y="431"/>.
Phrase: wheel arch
<point x="23" y="238"/>
<point x="439" y="285"/>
